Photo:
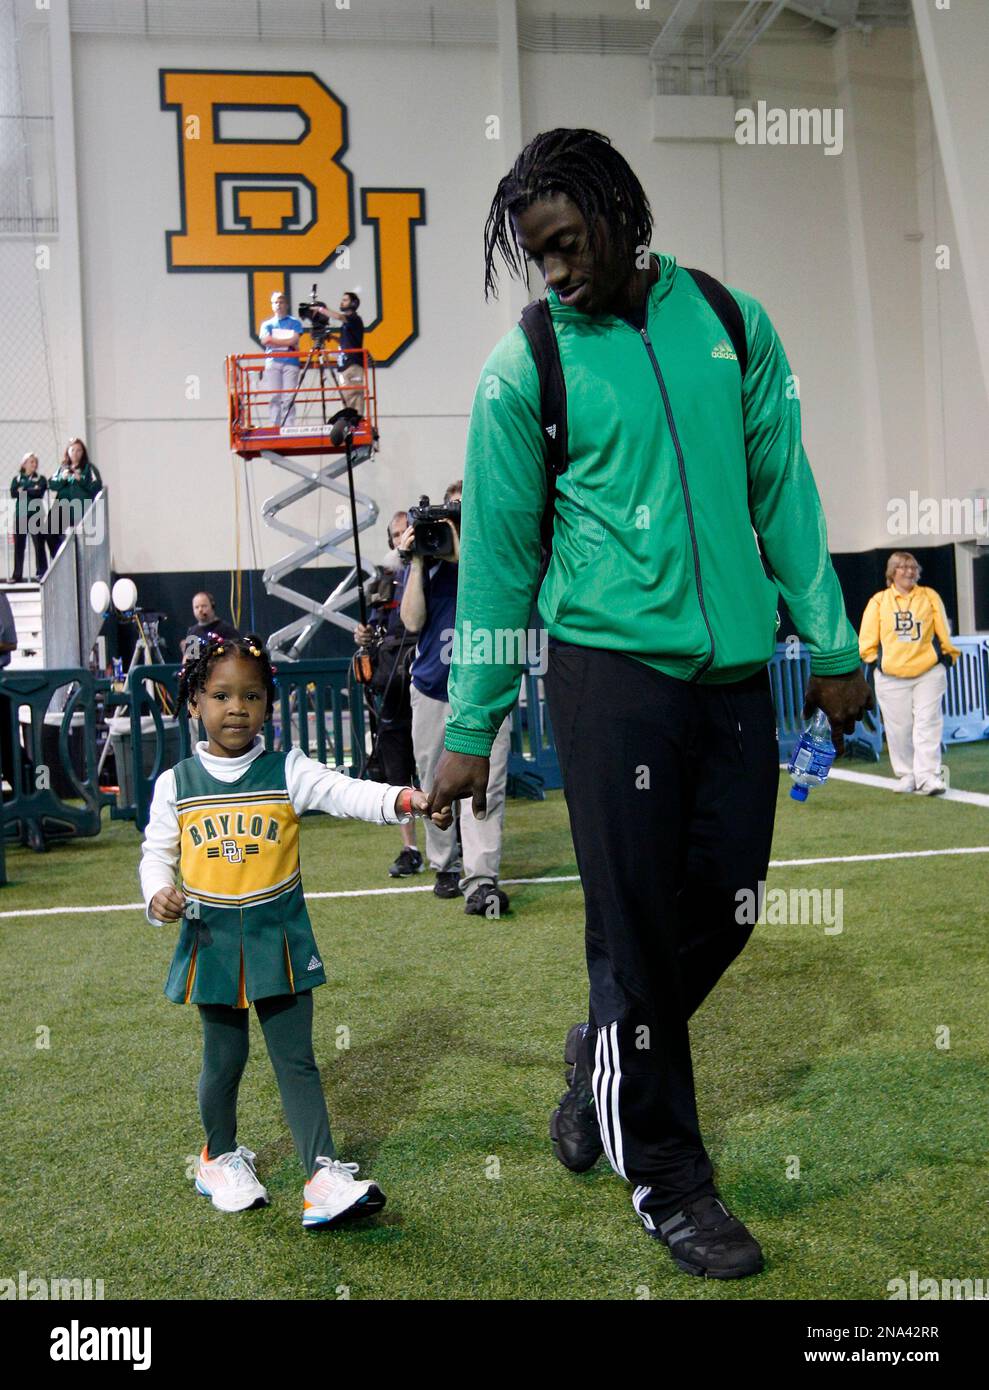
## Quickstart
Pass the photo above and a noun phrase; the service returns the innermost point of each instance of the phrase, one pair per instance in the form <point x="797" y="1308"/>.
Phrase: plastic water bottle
<point x="812" y="758"/>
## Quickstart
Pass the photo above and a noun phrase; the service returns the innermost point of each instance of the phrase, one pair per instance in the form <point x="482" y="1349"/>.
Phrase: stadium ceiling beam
<point x="809" y="10"/>
<point x="666" y="40"/>
<point x="748" y="28"/>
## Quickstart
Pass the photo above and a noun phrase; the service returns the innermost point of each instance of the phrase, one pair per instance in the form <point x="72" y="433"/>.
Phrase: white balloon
<point x="99" y="596"/>
<point x="124" y="595"/>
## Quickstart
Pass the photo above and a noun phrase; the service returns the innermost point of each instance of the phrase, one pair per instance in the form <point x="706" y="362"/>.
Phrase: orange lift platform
<point x="289" y="425"/>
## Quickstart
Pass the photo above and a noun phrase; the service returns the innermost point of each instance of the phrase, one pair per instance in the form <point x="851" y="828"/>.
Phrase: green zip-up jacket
<point x="673" y="465"/>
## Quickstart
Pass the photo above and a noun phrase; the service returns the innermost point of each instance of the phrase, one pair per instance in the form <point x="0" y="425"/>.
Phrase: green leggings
<point x="286" y="1021"/>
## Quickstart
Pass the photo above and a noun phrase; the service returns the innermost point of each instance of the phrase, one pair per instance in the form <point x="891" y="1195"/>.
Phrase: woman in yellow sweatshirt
<point x="899" y="629"/>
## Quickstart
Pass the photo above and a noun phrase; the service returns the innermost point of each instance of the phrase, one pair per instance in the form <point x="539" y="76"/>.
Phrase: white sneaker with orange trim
<point x="229" y="1180"/>
<point x="333" y="1195"/>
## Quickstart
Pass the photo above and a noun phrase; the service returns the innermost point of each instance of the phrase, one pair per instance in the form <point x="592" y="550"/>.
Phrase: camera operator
<point x="392" y="759"/>
<point x="429" y="603"/>
<point x="279" y="334"/>
<point x="350" y="363"/>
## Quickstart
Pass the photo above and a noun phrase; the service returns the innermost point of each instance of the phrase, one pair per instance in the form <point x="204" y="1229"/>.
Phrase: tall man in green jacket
<point x="661" y="621"/>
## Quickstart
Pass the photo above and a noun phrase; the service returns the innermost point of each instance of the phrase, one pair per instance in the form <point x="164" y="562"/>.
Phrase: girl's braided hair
<point x="195" y="673"/>
<point x="585" y="166"/>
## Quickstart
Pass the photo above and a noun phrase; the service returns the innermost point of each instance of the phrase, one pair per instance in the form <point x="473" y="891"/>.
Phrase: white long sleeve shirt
<point x="310" y="785"/>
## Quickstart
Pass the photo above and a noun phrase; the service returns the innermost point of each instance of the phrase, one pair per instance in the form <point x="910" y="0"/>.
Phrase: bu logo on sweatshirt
<point x="907" y="628"/>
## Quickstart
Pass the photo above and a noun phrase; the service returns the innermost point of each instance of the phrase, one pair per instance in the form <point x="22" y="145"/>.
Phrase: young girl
<point x="228" y="819"/>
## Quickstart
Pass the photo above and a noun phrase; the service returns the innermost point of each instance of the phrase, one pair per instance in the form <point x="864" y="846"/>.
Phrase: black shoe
<point x="408" y="862"/>
<point x="573" y="1126"/>
<point x="447" y="885"/>
<point x="705" y="1239"/>
<point x="487" y="900"/>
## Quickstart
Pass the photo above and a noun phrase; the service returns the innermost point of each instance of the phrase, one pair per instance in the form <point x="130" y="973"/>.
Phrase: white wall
<point x="416" y="119"/>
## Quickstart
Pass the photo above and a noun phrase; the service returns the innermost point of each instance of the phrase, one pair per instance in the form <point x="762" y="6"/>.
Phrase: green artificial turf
<point x="818" y="1049"/>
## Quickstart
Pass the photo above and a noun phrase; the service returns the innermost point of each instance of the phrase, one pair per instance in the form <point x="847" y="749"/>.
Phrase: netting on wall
<point x="28" y="242"/>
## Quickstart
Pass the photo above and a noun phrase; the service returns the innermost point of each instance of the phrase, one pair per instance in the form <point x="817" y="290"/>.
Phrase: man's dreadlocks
<point x="589" y="170"/>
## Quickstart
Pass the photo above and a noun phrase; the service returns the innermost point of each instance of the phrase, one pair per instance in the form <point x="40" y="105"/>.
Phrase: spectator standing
<point x="73" y="486"/>
<point x="28" y="491"/>
<point x="905" y="632"/>
<point x="280" y="334"/>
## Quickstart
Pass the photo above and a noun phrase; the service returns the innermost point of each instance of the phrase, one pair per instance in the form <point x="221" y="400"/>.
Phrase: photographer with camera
<point x="392" y="648"/>
<point x="429" y="603"/>
<point x="280" y="334"/>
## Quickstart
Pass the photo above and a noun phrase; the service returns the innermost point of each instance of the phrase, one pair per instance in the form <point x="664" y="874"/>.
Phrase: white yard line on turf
<point x="889" y="784"/>
<point x="548" y="878"/>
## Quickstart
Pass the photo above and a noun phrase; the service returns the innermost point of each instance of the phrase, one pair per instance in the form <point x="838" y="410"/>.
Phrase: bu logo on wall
<point x="269" y="204"/>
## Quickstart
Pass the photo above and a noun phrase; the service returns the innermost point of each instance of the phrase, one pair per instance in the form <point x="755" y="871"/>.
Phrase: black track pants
<point x="671" y="788"/>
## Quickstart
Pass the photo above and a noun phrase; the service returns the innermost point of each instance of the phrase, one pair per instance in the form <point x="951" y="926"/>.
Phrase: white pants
<point x="481" y="838"/>
<point x="281" y="374"/>
<point x="911" y="711"/>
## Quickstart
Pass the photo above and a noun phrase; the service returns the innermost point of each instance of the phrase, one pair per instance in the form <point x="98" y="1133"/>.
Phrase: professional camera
<point x="431" y="535"/>
<point x="313" y="312"/>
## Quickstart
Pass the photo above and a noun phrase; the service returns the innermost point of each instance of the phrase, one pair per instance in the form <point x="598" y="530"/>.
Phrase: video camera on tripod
<point x="318" y="323"/>
<point x="431" y="535"/>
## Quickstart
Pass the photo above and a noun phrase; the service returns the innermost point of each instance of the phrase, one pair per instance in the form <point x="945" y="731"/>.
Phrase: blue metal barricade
<point x="788" y="677"/>
<point x="966" y="702"/>
<point x="533" y="767"/>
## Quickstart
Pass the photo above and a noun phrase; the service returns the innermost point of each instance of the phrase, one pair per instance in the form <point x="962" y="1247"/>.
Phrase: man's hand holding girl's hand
<point x="168" y="905"/>
<point x="416" y="803"/>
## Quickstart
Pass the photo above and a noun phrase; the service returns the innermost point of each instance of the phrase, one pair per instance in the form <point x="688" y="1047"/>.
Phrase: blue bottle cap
<point x="799" y="793"/>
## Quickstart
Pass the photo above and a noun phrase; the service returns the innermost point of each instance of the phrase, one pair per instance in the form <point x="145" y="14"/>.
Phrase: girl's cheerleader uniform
<point x="231" y="828"/>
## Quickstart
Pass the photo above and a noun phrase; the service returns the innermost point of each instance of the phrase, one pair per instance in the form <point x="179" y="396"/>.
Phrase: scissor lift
<point x="317" y="423"/>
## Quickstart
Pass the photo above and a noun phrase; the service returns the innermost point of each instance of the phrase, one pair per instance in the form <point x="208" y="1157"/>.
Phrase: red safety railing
<point x="289" y="411"/>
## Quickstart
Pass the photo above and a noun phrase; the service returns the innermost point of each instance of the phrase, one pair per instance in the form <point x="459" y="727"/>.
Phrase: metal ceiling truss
<point x="690" y="56"/>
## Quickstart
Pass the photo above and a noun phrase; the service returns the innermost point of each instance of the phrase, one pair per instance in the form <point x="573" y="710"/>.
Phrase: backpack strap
<point x="537" y="325"/>
<point x="724" y="304"/>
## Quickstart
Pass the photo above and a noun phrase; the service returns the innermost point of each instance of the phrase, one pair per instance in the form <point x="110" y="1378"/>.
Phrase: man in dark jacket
<point x="207" y="620"/>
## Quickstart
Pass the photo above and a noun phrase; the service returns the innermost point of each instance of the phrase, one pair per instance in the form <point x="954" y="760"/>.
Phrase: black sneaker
<point x="447" y="885"/>
<point x="482" y="901"/>
<point x="573" y="1126"/>
<point x="408" y="862"/>
<point x="704" y="1238"/>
